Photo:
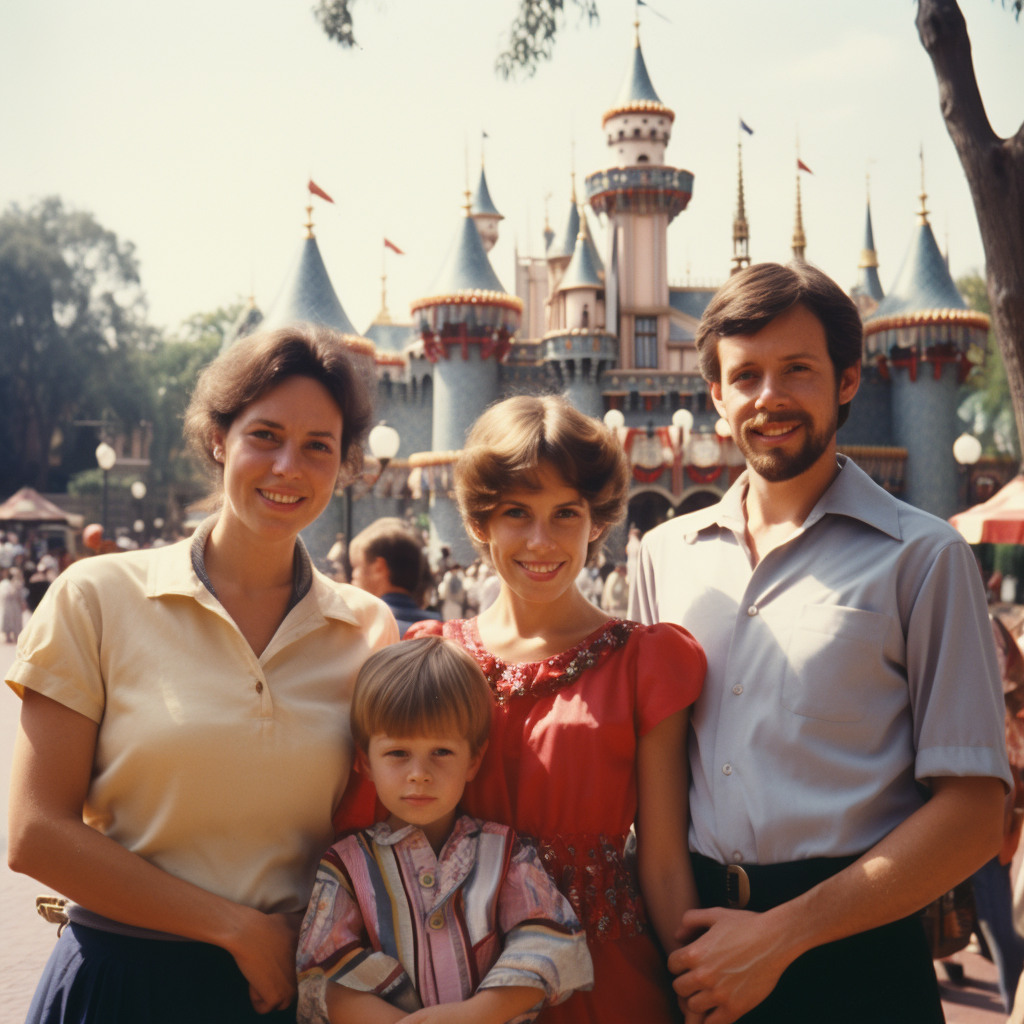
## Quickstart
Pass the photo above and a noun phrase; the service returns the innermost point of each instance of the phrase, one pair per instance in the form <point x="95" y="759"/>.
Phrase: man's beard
<point x="775" y="464"/>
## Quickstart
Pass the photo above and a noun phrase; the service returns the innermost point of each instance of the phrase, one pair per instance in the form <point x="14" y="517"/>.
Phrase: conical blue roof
<point x="467" y="267"/>
<point x="923" y="282"/>
<point x="564" y="242"/>
<point x="482" y="202"/>
<point x="867" y="278"/>
<point x="308" y="295"/>
<point x="582" y="271"/>
<point x="637" y="87"/>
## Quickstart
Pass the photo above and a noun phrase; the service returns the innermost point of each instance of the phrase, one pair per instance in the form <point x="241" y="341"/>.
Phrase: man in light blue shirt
<point x="847" y="753"/>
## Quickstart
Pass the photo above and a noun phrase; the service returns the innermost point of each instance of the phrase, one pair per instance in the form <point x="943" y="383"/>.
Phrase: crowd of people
<point x="716" y="782"/>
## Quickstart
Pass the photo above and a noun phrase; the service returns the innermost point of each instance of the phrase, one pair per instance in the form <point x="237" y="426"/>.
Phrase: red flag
<point x="316" y="190"/>
<point x="801" y="166"/>
<point x="393" y="247"/>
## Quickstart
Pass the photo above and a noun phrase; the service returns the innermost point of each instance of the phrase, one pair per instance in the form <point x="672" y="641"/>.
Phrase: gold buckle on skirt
<point x="737" y="887"/>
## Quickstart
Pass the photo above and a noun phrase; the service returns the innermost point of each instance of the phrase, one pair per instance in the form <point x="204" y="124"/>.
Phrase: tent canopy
<point x="1000" y="520"/>
<point x="29" y="506"/>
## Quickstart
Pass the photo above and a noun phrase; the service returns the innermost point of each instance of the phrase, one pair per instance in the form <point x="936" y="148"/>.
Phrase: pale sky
<point x="191" y="129"/>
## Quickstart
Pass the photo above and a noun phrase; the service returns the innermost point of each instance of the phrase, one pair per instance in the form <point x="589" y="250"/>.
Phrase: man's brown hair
<point x="753" y="298"/>
<point x="512" y="440"/>
<point x="391" y="538"/>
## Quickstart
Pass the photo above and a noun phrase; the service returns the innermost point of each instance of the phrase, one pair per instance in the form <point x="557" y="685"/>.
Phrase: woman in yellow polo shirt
<point x="184" y="731"/>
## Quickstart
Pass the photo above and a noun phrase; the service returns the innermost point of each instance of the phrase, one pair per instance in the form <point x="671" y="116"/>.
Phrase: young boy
<point x="432" y="907"/>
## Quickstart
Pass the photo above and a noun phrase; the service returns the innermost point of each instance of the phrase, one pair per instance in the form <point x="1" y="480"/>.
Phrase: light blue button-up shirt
<point x="853" y="662"/>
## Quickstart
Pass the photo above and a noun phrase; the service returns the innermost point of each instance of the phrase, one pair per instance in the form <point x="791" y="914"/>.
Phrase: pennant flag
<point x="643" y="3"/>
<point x="485" y="135"/>
<point x="316" y="190"/>
<point x="746" y="127"/>
<point x="393" y="247"/>
<point x="801" y="166"/>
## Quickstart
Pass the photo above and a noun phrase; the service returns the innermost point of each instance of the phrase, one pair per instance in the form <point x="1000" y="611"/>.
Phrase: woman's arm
<point x="53" y="761"/>
<point x="662" y="825"/>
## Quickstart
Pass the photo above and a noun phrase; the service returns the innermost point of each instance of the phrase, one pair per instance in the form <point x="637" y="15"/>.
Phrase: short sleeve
<point x="59" y="651"/>
<point x="953" y="674"/>
<point x="545" y="946"/>
<point x="668" y="672"/>
<point x="334" y="948"/>
<point x="426" y="627"/>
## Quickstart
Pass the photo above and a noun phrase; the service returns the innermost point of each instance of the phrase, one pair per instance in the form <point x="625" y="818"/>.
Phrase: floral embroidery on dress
<point x="539" y="678"/>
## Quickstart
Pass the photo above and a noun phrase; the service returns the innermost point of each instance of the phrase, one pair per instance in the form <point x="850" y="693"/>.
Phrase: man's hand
<point x="731" y="967"/>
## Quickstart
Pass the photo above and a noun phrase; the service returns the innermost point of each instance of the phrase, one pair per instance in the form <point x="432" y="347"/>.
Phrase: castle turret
<point x="563" y="243"/>
<point x="578" y="348"/>
<point x="869" y="288"/>
<point x="921" y="335"/>
<point x="740" y="230"/>
<point x="641" y="197"/>
<point x="307" y="295"/>
<point x="485" y="213"/>
<point x="466" y="325"/>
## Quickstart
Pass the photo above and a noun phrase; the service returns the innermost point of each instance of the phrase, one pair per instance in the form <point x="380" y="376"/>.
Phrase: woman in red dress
<point x="589" y="735"/>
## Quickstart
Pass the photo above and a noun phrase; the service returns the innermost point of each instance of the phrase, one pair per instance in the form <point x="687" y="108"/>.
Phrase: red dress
<point x="561" y="770"/>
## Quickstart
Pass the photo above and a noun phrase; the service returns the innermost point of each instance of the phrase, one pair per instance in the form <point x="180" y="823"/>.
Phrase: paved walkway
<point x="26" y="939"/>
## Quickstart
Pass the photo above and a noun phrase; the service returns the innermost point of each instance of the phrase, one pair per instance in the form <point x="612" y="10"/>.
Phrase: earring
<point x="218" y="453"/>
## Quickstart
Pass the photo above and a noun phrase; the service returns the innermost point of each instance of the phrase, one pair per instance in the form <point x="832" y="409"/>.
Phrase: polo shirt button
<point x="737" y="857"/>
<point x="752" y="610"/>
<point x="727" y="769"/>
<point x="436" y="921"/>
<point x="738" y="689"/>
<point x="427" y="880"/>
<point x="259" y="685"/>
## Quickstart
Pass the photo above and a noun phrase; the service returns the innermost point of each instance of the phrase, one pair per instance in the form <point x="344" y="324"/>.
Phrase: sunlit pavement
<point x="26" y="939"/>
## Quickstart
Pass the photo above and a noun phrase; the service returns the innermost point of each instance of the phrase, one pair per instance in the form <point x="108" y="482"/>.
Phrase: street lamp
<point x="106" y="458"/>
<point x="138" y="490"/>
<point x="384" y="442"/>
<point x="967" y="449"/>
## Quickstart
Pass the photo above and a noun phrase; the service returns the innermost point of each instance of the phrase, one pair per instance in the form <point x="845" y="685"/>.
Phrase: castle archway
<point x="698" y="498"/>
<point x="647" y="509"/>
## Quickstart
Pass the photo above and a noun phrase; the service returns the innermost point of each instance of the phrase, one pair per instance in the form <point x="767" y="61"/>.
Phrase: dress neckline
<point x="537" y="678"/>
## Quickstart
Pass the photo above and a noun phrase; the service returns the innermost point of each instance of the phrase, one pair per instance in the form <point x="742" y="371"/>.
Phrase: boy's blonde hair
<point x="418" y="687"/>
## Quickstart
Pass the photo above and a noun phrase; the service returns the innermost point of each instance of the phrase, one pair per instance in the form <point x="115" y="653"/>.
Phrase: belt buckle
<point x="737" y="887"/>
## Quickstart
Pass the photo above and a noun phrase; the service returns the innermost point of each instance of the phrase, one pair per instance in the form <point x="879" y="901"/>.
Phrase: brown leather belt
<point x="761" y="886"/>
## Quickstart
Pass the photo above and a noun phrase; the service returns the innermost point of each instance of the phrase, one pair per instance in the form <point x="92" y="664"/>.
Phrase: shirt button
<point x="737" y="689"/>
<point x="727" y="769"/>
<point x="436" y="921"/>
<point x="427" y="880"/>
<point x="752" y="610"/>
<point x="259" y="685"/>
<point x="737" y="857"/>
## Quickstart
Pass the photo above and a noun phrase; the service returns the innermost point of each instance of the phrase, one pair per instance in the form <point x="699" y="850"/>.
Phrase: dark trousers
<point x="882" y="976"/>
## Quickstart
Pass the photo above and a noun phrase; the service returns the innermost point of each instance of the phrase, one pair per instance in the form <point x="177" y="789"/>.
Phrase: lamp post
<point x="106" y="458"/>
<point x="138" y="489"/>
<point x="966" y="451"/>
<point x="383" y="442"/>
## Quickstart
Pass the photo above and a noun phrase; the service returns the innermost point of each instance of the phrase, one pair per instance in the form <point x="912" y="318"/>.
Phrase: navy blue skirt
<point x="96" y="977"/>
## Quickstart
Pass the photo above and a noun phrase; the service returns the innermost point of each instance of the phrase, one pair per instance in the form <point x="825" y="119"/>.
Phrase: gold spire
<point x="467" y="204"/>
<point x="799" y="239"/>
<point x="584" y="231"/>
<point x="573" y="196"/>
<point x="740" y="229"/>
<point x="383" y="317"/>
<point x="636" y="26"/>
<point x="309" y="220"/>
<point x="922" y="214"/>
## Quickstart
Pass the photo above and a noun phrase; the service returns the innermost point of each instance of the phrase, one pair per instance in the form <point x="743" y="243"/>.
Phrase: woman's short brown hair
<point x="418" y="688"/>
<point x="255" y="365"/>
<point x="514" y="438"/>
<point x="751" y="299"/>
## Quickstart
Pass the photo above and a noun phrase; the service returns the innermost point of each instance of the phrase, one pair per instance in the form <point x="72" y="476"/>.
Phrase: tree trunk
<point x="995" y="173"/>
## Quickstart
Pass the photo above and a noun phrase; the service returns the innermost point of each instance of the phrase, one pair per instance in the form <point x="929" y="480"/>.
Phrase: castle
<point x="609" y="332"/>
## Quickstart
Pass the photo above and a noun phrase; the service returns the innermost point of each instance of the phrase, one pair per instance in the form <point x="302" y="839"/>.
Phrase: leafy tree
<point x="994" y="168"/>
<point x="987" y="407"/>
<point x="72" y="317"/>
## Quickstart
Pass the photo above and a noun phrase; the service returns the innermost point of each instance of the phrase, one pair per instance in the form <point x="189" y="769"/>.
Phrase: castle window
<point x="642" y="159"/>
<point x="636" y="133"/>
<point x="622" y="134"/>
<point x="646" y="343"/>
<point x="654" y="133"/>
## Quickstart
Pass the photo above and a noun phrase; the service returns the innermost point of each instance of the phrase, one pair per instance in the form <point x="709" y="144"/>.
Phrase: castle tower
<point x="868" y="293"/>
<point x="466" y="325"/>
<point x="308" y="295"/>
<point x="484" y="212"/>
<point x="641" y="196"/>
<point x="920" y="335"/>
<point x="740" y="230"/>
<point x="578" y="348"/>
<point x="799" y="239"/>
<point x="562" y="244"/>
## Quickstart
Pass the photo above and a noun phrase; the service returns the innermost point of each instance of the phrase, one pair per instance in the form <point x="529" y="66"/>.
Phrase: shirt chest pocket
<point x="833" y="658"/>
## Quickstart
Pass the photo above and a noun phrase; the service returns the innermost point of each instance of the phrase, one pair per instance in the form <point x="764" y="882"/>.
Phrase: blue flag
<point x="746" y="127"/>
